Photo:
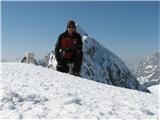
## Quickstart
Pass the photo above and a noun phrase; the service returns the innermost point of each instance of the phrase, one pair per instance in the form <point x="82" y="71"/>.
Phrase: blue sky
<point x="129" y="29"/>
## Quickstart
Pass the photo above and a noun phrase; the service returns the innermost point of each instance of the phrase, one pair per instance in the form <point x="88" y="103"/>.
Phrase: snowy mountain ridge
<point x="35" y="92"/>
<point x="101" y="65"/>
<point x="148" y="70"/>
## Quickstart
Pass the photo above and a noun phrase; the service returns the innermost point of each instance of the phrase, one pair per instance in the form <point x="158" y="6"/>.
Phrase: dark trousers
<point x="63" y="65"/>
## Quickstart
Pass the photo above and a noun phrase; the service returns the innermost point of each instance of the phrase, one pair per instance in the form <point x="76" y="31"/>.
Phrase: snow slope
<point x="30" y="91"/>
<point x="155" y="89"/>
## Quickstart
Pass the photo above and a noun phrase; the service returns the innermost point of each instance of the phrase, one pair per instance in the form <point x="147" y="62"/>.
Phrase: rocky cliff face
<point x="148" y="70"/>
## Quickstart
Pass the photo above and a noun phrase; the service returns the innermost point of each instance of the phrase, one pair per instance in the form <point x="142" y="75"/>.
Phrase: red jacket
<point x="68" y="45"/>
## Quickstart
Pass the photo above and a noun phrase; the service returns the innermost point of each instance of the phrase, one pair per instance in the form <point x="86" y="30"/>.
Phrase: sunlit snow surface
<point x="34" y="92"/>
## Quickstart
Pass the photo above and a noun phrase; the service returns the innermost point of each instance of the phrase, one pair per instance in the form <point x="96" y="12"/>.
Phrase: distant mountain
<point x="10" y="60"/>
<point x="101" y="65"/>
<point x="148" y="70"/>
<point x="3" y="60"/>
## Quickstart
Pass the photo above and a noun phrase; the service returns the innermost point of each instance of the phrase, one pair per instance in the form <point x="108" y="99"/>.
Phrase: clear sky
<point x="128" y="29"/>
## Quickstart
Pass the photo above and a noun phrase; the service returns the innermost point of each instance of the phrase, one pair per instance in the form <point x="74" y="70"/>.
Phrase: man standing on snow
<point x="68" y="50"/>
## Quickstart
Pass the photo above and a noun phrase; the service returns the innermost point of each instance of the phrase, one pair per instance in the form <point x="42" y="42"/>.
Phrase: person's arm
<point x="57" y="54"/>
<point x="80" y="43"/>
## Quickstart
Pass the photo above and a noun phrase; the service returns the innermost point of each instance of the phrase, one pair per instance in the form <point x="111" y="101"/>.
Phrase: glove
<point x="63" y="53"/>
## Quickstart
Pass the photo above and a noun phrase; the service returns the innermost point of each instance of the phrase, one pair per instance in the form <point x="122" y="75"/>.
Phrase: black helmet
<point x="71" y="22"/>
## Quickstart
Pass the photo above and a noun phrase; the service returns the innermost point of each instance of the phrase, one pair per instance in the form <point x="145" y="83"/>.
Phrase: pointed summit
<point x="80" y="30"/>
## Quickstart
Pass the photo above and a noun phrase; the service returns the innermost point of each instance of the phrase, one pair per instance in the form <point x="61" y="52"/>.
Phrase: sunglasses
<point x="71" y="27"/>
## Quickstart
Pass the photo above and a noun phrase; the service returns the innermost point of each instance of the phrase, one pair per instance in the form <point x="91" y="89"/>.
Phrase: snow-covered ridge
<point x="148" y="70"/>
<point x="35" y="92"/>
<point x="101" y="65"/>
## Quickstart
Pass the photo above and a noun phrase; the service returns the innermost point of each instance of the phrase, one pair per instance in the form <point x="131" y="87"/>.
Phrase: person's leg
<point x="77" y="63"/>
<point x="62" y="67"/>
